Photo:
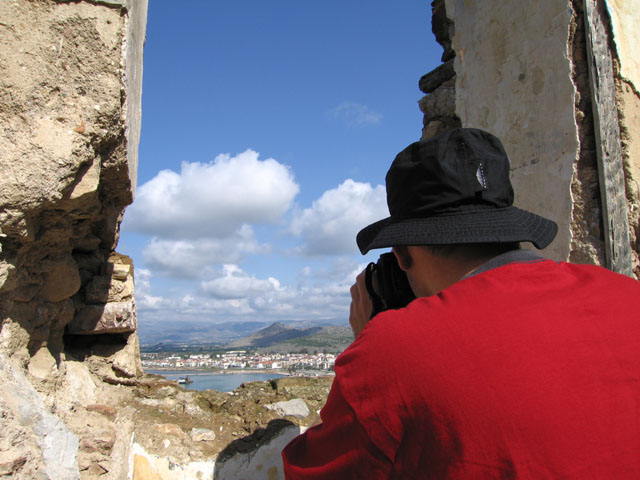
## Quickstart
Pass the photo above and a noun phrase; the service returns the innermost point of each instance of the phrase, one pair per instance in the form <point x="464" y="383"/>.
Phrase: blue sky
<point x="267" y="129"/>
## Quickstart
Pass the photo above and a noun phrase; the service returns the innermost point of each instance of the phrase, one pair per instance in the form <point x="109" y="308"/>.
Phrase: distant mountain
<point x="206" y="332"/>
<point x="330" y="339"/>
<point x="274" y="333"/>
<point x="195" y="333"/>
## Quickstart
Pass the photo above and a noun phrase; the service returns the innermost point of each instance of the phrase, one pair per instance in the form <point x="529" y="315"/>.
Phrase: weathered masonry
<point x="557" y="81"/>
<point x="70" y="94"/>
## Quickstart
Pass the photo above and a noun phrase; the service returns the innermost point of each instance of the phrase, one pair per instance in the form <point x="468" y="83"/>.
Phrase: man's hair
<point x="471" y="249"/>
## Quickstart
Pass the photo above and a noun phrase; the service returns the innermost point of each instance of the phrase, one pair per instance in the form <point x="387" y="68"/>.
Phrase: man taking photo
<point x="506" y="365"/>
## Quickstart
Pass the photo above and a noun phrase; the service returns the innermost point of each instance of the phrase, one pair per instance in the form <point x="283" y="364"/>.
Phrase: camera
<point x="387" y="284"/>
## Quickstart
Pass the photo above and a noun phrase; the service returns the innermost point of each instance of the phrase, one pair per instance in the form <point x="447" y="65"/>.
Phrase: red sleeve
<point x="338" y="448"/>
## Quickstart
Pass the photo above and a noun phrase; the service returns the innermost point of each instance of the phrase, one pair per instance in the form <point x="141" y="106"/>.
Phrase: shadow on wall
<point x="257" y="456"/>
<point x="104" y="323"/>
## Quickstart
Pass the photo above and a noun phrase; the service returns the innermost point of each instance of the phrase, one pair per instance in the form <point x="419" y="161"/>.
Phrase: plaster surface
<point x="513" y="78"/>
<point x="263" y="463"/>
<point x="134" y="43"/>
<point x="624" y="22"/>
<point x="146" y="466"/>
<point x="626" y="36"/>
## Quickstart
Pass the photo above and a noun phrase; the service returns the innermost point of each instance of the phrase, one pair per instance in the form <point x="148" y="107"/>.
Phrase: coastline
<point x="212" y="371"/>
<point x="215" y="371"/>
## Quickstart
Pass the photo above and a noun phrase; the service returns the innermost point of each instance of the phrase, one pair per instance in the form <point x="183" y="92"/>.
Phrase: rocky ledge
<point x="181" y="432"/>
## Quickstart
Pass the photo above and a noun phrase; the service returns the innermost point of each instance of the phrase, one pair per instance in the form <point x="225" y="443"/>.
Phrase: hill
<point x="207" y="333"/>
<point x="274" y="333"/>
<point x="195" y="332"/>
<point x="332" y="339"/>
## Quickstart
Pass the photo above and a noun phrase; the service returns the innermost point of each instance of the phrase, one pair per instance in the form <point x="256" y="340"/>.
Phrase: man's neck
<point x="431" y="274"/>
<point x="512" y="256"/>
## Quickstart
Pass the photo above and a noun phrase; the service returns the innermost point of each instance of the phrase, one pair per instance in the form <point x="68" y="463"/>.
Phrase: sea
<point x="224" y="382"/>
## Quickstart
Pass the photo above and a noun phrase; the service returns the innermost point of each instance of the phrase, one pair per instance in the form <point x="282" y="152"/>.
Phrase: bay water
<point x="224" y="382"/>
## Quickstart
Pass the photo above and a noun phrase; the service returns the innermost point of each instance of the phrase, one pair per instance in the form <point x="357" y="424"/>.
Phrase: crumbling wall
<point x="587" y="237"/>
<point x="513" y="79"/>
<point x="75" y="403"/>
<point x="70" y="109"/>
<point x="523" y="72"/>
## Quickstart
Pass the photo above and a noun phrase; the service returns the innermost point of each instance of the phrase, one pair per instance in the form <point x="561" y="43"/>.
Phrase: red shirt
<point x="529" y="370"/>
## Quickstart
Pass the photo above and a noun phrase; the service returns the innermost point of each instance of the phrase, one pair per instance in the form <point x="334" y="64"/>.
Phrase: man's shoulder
<point x="552" y="273"/>
<point x="512" y="291"/>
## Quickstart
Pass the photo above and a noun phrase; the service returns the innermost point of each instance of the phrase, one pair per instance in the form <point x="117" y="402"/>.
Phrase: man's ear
<point x="403" y="256"/>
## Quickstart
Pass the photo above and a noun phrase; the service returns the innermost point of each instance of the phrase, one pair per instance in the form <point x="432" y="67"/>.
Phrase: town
<point x="241" y="359"/>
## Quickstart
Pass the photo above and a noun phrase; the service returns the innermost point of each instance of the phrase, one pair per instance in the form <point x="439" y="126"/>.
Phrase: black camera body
<point x="387" y="284"/>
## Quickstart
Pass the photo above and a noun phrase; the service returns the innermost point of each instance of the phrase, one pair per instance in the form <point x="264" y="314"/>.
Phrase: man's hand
<point x="361" y="307"/>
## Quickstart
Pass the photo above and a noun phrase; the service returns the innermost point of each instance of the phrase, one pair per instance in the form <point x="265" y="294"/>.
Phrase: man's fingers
<point x="355" y="293"/>
<point x="360" y="310"/>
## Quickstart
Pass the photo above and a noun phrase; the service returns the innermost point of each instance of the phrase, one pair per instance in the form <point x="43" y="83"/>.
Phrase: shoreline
<point x="214" y="371"/>
<point x="197" y="372"/>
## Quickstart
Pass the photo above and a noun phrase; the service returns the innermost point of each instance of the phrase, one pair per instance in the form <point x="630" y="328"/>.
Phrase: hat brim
<point x="492" y="225"/>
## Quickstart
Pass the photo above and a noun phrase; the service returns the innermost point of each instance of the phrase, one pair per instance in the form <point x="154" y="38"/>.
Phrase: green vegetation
<point x="328" y="340"/>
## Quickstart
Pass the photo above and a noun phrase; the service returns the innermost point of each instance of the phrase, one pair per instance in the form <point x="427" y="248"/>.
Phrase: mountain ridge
<point x="272" y="334"/>
<point x="206" y="332"/>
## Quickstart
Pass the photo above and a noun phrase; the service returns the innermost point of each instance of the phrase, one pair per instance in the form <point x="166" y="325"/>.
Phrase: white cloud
<point x="212" y="199"/>
<point x="355" y="114"/>
<point x="190" y="258"/>
<point x="235" y="283"/>
<point x="331" y="224"/>
<point x="200" y="224"/>
<point x="144" y="299"/>
<point x="233" y="294"/>
<point x="322" y="294"/>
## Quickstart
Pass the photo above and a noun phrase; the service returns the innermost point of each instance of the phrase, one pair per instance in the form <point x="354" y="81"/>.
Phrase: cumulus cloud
<point x="212" y="199"/>
<point x="235" y="283"/>
<point x="331" y="224"/>
<point x="200" y="225"/>
<point x="233" y="294"/>
<point x="323" y="294"/>
<point x="190" y="258"/>
<point x="144" y="299"/>
<point x="355" y="115"/>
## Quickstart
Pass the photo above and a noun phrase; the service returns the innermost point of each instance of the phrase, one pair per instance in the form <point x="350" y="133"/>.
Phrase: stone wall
<point x="70" y="96"/>
<point x="524" y="73"/>
<point x="75" y="403"/>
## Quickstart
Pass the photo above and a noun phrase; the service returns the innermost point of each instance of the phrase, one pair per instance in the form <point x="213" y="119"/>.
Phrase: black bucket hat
<point x="453" y="189"/>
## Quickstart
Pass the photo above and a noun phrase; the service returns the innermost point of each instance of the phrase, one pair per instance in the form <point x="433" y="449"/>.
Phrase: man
<point x="507" y="365"/>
